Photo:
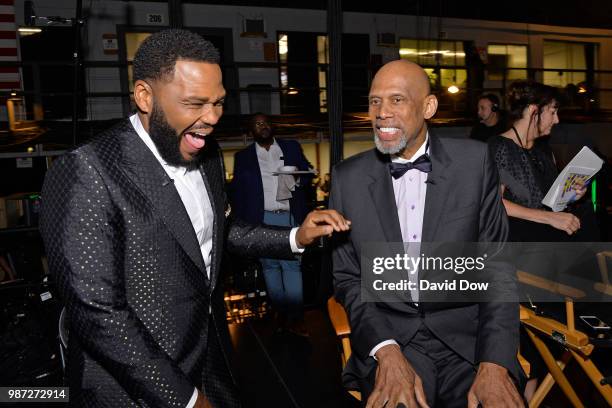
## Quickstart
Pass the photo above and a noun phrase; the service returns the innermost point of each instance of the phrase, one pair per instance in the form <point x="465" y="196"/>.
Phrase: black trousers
<point x="447" y="377"/>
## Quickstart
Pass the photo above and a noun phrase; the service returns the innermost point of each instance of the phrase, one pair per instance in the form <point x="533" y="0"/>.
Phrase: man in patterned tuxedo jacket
<point x="134" y="223"/>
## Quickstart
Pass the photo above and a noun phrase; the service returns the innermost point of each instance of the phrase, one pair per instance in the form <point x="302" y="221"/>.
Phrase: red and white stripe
<point x="9" y="76"/>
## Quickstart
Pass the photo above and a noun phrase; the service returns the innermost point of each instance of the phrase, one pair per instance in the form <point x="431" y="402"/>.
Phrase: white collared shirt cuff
<point x="294" y="247"/>
<point x="381" y="345"/>
<point x="193" y="399"/>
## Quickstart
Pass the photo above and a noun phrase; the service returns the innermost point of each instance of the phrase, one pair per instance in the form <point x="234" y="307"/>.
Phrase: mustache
<point x="193" y="129"/>
<point x="201" y="129"/>
<point x="386" y="125"/>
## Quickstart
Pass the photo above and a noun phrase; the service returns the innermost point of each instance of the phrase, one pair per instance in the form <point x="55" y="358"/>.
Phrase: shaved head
<point x="400" y="101"/>
<point x="409" y="70"/>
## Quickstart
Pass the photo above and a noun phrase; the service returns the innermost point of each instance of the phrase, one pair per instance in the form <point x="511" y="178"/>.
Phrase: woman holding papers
<point x="527" y="169"/>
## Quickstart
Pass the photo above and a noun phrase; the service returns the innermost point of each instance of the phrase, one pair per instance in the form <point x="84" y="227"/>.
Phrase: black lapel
<point x="213" y="173"/>
<point x="141" y="166"/>
<point x="437" y="188"/>
<point x="381" y="191"/>
<point x="252" y="156"/>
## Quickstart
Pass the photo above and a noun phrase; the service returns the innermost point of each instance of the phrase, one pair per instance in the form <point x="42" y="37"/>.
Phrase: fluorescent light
<point x="29" y="30"/>
<point x="412" y="51"/>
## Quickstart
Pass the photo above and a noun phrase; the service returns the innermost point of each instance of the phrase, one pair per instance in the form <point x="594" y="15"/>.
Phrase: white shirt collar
<point x="421" y="151"/>
<point x="263" y="149"/>
<point x="144" y="135"/>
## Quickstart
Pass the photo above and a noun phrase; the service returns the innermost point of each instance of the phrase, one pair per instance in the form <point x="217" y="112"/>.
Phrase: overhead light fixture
<point x="453" y="89"/>
<point x="292" y="91"/>
<point x="13" y="93"/>
<point x="582" y="89"/>
<point x="447" y="53"/>
<point x="23" y="31"/>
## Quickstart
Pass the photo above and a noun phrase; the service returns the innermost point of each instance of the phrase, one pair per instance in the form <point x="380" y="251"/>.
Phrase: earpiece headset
<point x="494" y="104"/>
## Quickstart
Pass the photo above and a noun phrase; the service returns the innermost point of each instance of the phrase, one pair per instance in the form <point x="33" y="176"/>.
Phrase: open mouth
<point x="387" y="133"/>
<point x="196" y="140"/>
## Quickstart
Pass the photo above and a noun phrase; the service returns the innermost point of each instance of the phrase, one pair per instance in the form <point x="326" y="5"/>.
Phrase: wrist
<point x="488" y="366"/>
<point x="298" y="238"/>
<point x="387" y="352"/>
<point x="548" y="217"/>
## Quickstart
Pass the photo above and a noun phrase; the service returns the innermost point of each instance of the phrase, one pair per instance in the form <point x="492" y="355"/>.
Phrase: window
<point x="322" y="58"/>
<point x="437" y="52"/>
<point x="303" y="71"/>
<point x="432" y="52"/>
<point x="283" y="49"/>
<point x="300" y="81"/>
<point x="563" y="55"/>
<point x="505" y="57"/>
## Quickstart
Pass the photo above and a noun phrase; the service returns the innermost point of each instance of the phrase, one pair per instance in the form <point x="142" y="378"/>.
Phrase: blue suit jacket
<point x="247" y="198"/>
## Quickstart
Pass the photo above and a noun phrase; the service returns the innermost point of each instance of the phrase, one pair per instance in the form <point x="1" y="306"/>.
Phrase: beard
<point x="168" y="141"/>
<point x="397" y="148"/>
<point x="264" y="137"/>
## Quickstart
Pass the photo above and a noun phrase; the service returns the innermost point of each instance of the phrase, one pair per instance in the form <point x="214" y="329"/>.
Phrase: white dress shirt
<point x="192" y="190"/>
<point x="410" y="191"/>
<point x="271" y="161"/>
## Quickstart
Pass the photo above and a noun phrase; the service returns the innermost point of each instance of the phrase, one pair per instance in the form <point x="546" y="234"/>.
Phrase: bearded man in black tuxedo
<point x="135" y="222"/>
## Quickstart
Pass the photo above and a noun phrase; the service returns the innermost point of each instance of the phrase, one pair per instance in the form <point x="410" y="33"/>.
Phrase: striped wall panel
<point x="9" y="76"/>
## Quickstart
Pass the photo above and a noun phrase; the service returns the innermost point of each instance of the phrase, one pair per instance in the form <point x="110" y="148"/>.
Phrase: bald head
<point x="400" y="101"/>
<point x="413" y="73"/>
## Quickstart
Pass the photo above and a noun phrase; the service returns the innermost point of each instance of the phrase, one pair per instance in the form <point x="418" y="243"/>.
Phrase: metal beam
<point x="76" y="59"/>
<point x="334" y="86"/>
<point x="175" y="13"/>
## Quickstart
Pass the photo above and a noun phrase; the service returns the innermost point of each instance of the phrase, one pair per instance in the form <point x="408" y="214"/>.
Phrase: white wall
<point x="104" y="17"/>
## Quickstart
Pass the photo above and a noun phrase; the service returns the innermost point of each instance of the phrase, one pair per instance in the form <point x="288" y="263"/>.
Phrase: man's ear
<point x="143" y="96"/>
<point x="430" y="106"/>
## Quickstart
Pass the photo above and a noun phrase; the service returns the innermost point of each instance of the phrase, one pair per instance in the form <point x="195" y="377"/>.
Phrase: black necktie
<point x="422" y="163"/>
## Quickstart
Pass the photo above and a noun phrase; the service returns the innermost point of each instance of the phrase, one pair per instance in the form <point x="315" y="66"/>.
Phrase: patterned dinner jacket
<point x="146" y="323"/>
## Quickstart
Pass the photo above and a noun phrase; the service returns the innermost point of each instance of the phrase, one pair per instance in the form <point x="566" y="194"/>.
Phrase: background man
<point x="415" y="187"/>
<point x="492" y="118"/>
<point x="255" y="198"/>
<point x="134" y="224"/>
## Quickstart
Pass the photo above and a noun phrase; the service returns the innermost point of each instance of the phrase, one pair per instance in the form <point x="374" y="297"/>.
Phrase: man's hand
<point x="202" y="402"/>
<point x="396" y="381"/>
<point x="493" y="387"/>
<point x="319" y="223"/>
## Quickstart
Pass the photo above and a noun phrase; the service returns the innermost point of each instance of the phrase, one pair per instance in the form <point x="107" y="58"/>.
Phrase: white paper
<point x="580" y="169"/>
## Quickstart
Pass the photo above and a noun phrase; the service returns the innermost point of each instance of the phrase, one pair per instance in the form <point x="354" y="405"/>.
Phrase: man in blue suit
<point x="257" y="198"/>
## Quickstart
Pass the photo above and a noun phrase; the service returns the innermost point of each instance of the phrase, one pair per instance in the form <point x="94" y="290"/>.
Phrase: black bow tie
<point x="422" y="163"/>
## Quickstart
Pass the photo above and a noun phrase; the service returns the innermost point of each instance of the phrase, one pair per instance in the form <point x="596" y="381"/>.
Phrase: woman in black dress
<point x="527" y="169"/>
